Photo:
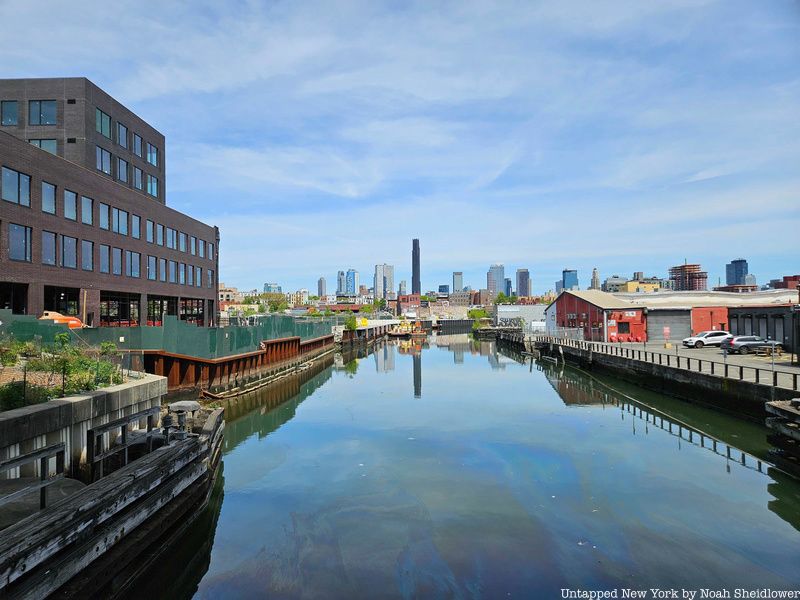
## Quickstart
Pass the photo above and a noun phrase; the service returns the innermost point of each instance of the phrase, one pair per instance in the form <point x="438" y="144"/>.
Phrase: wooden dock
<point x="784" y="425"/>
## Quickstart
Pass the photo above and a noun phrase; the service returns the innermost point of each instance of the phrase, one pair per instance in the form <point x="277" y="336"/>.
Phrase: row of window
<point x="141" y="181"/>
<point x="16" y="187"/>
<point x="40" y="112"/>
<point x="104" y="127"/>
<point x="62" y="251"/>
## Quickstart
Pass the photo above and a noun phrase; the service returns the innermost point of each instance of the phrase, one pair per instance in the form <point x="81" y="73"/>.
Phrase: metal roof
<point x="601" y="299"/>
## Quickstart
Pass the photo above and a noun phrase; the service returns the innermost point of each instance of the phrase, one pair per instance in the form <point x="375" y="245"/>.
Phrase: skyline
<point x="532" y="135"/>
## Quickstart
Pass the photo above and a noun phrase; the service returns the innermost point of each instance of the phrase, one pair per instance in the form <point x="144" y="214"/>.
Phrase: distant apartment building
<point x="788" y="282"/>
<point x="84" y="221"/>
<point x="351" y="283"/>
<point x="402" y="290"/>
<point x="495" y="279"/>
<point x="460" y="298"/>
<point x="569" y="279"/>
<point x="523" y="283"/>
<point x="688" y="277"/>
<point x="322" y="287"/>
<point x="458" y="281"/>
<point x="507" y="289"/>
<point x="614" y="283"/>
<point x="341" y="283"/>
<point x="736" y="271"/>
<point x="384" y="282"/>
<point x="444" y="289"/>
<point x="272" y="288"/>
<point x="229" y="294"/>
<point x="595" y="285"/>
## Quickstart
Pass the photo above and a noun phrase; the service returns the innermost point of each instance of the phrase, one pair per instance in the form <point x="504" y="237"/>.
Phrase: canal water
<point x="455" y="470"/>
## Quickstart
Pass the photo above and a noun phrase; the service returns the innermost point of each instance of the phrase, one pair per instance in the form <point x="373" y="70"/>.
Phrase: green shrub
<point x="11" y="395"/>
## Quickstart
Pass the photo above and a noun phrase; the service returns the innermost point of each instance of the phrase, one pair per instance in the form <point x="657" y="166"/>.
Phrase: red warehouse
<point x="602" y="317"/>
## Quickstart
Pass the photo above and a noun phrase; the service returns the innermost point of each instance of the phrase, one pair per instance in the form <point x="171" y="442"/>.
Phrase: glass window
<point x="49" y="145"/>
<point x="116" y="261"/>
<point x="87" y="255"/>
<point x="137" y="145"/>
<point x="160" y="234"/>
<point x="137" y="178"/>
<point x="151" y="268"/>
<point x="198" y="277"/>
<point x="193" y="245"/>
<point x="201" y="248"/>
<point x="8" y="112"/>
<point x="70" y="205"/>
<point x="102" y="123"/>
<point x="171" y="238"/>
<point x="103" y="160"/>
<point x="189" y="275"/>
<point x="122" y="170"/>
<point x="132" y="263"/>
<point x="162" y="269"/>
<point x="122" y="135"/>
<point x="48" y="248"/>
<point x="150" y="231"/>
<point x="152" y="154"/>
<point x="210" y="251"/>
<point x="48" y="198"/>
<point x="16" y="187"/>
<point x="105" y="252"/>
<point x="182" y="274"/>
<point x="136" y="226"/>
<point x="152" y="186"/>
<point x="42" y="112"/>
<point x="119" y="221"/>
<point x="19" y="242"/>
<point x="69" y="252"/>
<point x="173" y="268"/>
<point x="210" y="278"/>
<point x="104" y="216"/>
<point x="182" y="242"/>
<point x="87" y="209"/>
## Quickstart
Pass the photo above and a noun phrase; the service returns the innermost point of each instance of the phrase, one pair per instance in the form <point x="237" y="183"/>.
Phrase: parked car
<point x="706" y="338"/>
<point x="744" y="344"/>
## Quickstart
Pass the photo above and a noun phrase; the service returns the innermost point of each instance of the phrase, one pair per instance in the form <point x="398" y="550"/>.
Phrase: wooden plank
<point x="24" y="459"/>
<point x="30" y="489"/>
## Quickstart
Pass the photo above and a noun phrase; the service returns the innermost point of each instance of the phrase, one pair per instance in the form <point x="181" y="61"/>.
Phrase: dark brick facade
<point x="24" y="283"/>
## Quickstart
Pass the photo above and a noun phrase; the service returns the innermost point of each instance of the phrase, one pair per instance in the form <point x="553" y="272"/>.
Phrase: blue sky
<point x="625" y="135"/>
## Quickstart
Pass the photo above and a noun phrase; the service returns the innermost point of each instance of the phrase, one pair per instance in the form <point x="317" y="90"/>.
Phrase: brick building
<point x="84" y="225"/>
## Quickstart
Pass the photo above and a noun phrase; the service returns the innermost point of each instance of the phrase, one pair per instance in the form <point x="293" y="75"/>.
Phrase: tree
<point x="368" y="309"/>
<point x="350" y="323"/>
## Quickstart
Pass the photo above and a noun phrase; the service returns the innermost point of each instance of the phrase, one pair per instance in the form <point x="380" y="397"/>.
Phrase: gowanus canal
<point x="455" y="470"/>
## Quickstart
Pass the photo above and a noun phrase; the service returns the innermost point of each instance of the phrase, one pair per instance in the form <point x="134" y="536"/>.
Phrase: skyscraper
<point x="495" y="279"/>
<point x="569" y="279"/>
<point x="403" y="286"/>
<point x="416" y="287"/>
<point x="322" y="287"/>
<point x="458" y="281"/>
<point x="595" y="280"/>
<point x="384" y="281"/>
<point x="736" y="271"/>
<point x="341" y="283"/>
<point x="523" y="282"/>
<point x="351" y="282"/>
<point x="688" y="277"/>
<point x="507" y="290"/>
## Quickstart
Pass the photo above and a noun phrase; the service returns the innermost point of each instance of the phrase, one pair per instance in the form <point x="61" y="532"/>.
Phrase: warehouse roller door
<point x="678" y="321"/>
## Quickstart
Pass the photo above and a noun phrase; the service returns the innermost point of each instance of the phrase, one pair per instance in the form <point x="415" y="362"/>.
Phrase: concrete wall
<point x="68" y="420"/>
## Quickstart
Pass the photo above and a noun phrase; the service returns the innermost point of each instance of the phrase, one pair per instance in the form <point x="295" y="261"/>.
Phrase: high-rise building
<point x="688" y="277"/>
<point x="458" y="281"/>
<point x="736" y="271"/>
<point x="384" y="282"/>
<point x="559" y="285"/>
<point x="402" y="290"/>
<point x="351" y="282"/>
<point x="84" y="222"/>
<point x="322" y="287"/>
<point x="495" y="279"/>
<point x="523" y="282"/>
<point x="507" y="289"/>
<point x="569" y="279"/>
<point x="444" y="289"/>
<point x="272" y="288"/>
<point x="341" y="283"/>
<point x="415" y="281"/>
<point x="595" y="280"/>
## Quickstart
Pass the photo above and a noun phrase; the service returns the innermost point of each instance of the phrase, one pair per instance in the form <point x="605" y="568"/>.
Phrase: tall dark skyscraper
<point x="416" y="288"/>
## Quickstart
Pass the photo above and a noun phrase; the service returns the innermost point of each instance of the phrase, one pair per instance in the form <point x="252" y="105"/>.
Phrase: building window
<point x="49" y="248"/>
<point x="171" y="242"/>
<point x="87" y="211"/>
<point x="48" y="198"/>
<point x="173" y="269"/>
<point x="9" y="114"/>
<point x="160" y="234"/>
<point x="116" y="261"/>
<point x="48" y="145"/>
<point x="198" y="277"/>
<point x="201" y="248"/>
<point x="136" y="226"/>
<point x="152" y="154"/>
<point x="122" y="170"/>
<point x="102" y="123"/>
<point x="103" y="160"/>
<point x="19" y="242"/>
<point x="122" y="135"/>
<point x="105" y="252"/>
<point x="150" y="230"/>
<point x="42" y="112"/>
<point x="87" y="255"/>
<point x="137" y="178"/>
<point x="151" y="268"/>
<point x="119" y="221"/>
<point x="152" y="186"/>
<point x="182" y="274"/>
<point x="193" y="245"/>
<point x="162" y="269"/>
<point x="16" y="187"/>
<point x="210" y="278"/>
<point x="104" y="216"/>
<point x="133" y="261"/>
<point x="69" y="252"/>
<point x="210" y="251"/>
<point x="182" y="241"/>
<point x="189" y="275"/>
<point x="70" y="205"/>
<point x="137" y="145"/>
